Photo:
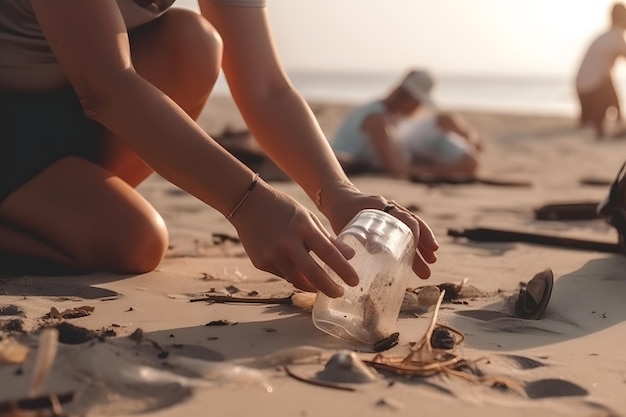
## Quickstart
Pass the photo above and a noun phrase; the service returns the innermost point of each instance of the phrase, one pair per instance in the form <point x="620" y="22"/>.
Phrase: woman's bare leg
<point x="85" y="216"/>
<point x="78" y="215"/>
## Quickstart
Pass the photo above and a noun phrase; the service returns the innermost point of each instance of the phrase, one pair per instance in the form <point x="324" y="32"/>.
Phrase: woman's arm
<point x="380" y="134"/>
<point x="90" y="41"/>
<point x="276" y="114"/>
<point x="285" y="127"/>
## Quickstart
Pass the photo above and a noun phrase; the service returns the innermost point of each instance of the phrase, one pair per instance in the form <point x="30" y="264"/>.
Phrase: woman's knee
<point x="132" y="241"/>
<point x="197" y="43"/>
<point x="138" y="244"/>
<point x="181" y="53"/>
<point x="143" y="248"/>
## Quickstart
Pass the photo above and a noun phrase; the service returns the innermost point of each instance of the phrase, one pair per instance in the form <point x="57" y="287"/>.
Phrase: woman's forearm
<point x="288" y="131"/>
<point x="168" y="140"/>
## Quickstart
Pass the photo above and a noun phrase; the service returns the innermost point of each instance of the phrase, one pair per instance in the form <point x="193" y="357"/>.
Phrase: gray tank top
<point x="27" y="62"/>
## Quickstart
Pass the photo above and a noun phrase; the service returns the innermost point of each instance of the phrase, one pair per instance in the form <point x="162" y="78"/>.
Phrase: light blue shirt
<point x="351" y="139"/>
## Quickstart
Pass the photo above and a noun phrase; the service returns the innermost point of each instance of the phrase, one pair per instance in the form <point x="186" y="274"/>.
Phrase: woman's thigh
<point x="83" y="217"/>
<point x="87" y="214"/>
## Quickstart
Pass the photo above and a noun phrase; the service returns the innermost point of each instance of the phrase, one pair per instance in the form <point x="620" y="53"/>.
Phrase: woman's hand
<point x="279" y="235"/>
<point x="340" y="202"/>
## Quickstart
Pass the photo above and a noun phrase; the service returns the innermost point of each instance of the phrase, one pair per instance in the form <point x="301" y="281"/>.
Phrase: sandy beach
<point x="146" y="344"/>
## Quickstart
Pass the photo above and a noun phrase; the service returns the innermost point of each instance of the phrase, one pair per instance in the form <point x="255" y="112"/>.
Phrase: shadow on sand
<point x="585" y="301"/>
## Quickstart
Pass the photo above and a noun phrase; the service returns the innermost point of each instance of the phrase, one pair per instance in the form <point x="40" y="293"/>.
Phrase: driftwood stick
<point x="495" y="235"/>
<point x="216" y="298"/>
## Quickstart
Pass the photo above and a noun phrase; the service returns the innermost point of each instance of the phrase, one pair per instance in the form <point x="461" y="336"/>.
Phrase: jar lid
<point x="381" y="229"/>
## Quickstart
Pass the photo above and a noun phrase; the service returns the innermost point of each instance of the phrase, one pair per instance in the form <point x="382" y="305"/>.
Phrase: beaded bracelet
<point x="255" y="180"/>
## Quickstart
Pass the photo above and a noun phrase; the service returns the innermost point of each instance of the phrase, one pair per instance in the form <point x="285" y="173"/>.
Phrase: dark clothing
<point x="39" y="129"/>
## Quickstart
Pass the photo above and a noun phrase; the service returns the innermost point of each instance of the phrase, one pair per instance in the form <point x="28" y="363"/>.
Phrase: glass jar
<point x="384" y="252"/>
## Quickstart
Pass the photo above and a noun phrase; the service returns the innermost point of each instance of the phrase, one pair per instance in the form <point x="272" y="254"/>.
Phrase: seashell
<point x="346" y="366"/>
<point x="304" y="300"/>
<point x="344" y="370"/>
<point x="453" y="289"/>
<point x="425" y="298"/>
<point x="428" y="296"/>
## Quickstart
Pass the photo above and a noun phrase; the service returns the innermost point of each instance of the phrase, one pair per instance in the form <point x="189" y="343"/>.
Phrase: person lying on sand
<point x="439" y="146"/>
<point x="97" y="95"/>
<point x="433" y="147"/>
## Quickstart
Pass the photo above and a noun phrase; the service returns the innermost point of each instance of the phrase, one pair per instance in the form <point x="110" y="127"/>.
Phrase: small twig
<point x="433" y="322"/>
<point x="425" y="361"/>
<point x="45" y="402"/>
<point x="425" y="342"/>
<point x="250" y="300"/>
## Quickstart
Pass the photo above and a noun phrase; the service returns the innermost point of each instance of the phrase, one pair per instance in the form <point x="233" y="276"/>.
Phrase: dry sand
<point x="571" y="362"/>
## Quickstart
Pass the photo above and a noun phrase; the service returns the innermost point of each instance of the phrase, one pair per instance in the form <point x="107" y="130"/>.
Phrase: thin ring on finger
<point x="390" y="206"/>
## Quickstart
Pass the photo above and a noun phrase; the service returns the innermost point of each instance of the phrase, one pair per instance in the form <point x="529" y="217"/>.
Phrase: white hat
<point x="419" y="83"/>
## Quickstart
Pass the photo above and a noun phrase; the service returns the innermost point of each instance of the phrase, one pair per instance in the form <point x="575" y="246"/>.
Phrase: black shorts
<point x="38" y="129"/>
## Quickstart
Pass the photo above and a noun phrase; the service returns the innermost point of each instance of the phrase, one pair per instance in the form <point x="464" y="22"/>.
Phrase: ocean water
<point x="542" y="95"/>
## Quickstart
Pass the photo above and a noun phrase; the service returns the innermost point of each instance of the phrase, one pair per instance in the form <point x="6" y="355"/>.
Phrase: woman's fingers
<point x="298" y="280"/>
<point x="295" y="263"/>
<point x="328" y="253"/>
<point x="346" y="250"/>
<point x="427" y="243"/>
<point x="309" y="270"/>
<point x="306" y="274"/>
<point x="420" y="267"/>
<point x="282" y="238"/>
<point x="424" y="239"/>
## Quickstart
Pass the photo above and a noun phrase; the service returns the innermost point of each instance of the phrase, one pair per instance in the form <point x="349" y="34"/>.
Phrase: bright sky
<point x="542" y="37"/>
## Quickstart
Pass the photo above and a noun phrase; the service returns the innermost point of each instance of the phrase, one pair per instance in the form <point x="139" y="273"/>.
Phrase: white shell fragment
<point x="46" y="354"/>
<point x="12" y="352"/>
<point x="345" y="366"/>
<point x="304" y="300"/>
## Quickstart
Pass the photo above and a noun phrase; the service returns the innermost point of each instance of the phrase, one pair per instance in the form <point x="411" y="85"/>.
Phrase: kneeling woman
<point x="96" y="95"/>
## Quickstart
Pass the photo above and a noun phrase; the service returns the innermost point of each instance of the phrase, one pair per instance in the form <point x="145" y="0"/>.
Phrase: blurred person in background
<point x="594" y="81"/>
<point x="404" y="136"/>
